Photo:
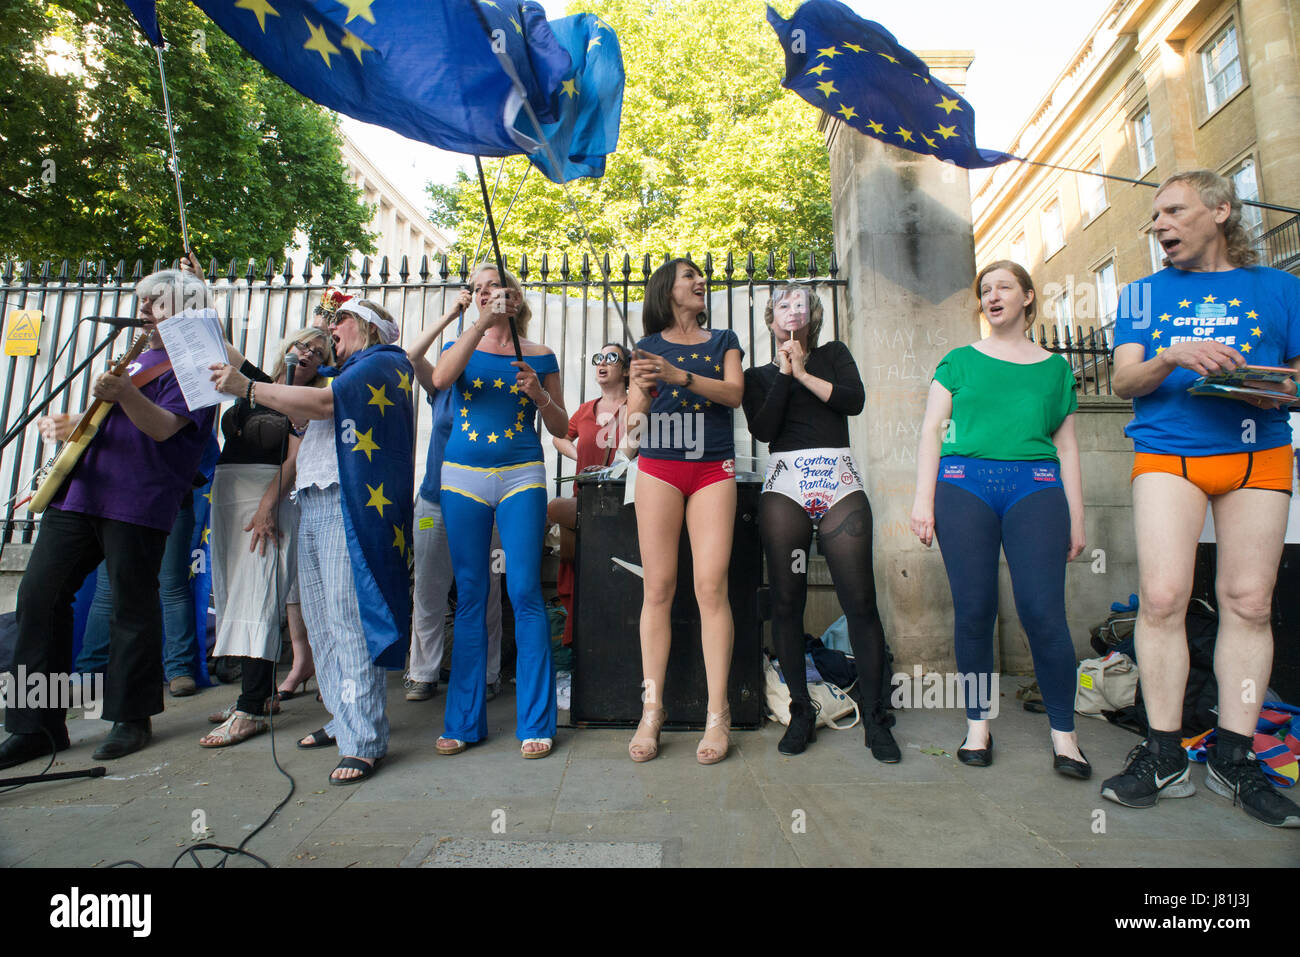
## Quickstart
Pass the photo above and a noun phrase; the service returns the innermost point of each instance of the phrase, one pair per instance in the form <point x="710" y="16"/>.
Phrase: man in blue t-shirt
<point x="1211" y="311"/>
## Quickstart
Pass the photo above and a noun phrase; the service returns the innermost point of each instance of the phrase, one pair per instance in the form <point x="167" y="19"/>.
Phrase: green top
<point x="1004" y="410"/>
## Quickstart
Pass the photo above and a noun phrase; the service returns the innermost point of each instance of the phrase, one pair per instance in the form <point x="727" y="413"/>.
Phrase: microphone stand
<point x="98" y="771"/>
<point x="17" y="429"/>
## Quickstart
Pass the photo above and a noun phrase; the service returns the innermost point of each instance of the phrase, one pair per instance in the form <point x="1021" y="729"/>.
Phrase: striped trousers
<point x="354" y="690"/>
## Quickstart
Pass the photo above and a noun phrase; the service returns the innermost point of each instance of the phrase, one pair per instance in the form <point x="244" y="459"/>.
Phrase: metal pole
<point x="174" y="162"/>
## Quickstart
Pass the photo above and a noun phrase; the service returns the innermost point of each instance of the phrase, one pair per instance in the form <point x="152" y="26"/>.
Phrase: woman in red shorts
<point x="686" y="380"/>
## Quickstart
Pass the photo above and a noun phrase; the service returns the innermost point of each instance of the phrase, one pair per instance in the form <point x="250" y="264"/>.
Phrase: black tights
<point x="844" y="538"/>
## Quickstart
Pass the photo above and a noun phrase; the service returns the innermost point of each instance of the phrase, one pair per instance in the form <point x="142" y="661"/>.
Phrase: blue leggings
<point x="1020" y="507"/>
<point x="516" y="497"/>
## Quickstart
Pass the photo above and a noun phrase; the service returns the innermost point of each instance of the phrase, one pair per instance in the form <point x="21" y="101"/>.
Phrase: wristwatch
<point x="689" y="379"/>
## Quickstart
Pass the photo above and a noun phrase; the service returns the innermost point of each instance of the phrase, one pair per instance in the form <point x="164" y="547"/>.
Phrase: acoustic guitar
<point x="56" y="471"/>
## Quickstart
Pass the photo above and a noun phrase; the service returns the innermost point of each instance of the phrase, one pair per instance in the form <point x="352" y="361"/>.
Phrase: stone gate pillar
<point x="904" y="240"/>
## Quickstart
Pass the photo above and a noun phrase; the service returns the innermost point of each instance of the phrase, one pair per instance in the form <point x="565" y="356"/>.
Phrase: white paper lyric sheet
<point x="194" y="340"/>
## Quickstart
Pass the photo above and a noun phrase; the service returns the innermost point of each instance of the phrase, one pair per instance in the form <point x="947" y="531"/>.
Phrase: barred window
<point x="1146" y="146"/>
<point x="1221" y="64"/>
<point x="1053" y="229"/>
<point x="1092" y="190"/>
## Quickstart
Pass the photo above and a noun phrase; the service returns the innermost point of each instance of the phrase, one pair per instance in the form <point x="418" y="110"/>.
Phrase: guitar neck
<point x="97" y="410"/>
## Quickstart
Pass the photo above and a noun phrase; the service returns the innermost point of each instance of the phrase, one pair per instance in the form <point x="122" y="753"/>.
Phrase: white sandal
<point x="549" y="742"/>
<point x="225" y="735"/>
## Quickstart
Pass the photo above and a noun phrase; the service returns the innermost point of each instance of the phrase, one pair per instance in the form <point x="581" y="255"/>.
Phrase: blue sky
<point x="1020" y="46"/>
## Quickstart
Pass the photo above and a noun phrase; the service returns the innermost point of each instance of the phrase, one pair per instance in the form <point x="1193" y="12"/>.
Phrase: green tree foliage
<point x="83" y="168"/>
<point x="713" y="154"/>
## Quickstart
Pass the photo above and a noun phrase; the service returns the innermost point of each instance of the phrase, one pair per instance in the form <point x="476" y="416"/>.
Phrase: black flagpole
<point x="496" y="249"/>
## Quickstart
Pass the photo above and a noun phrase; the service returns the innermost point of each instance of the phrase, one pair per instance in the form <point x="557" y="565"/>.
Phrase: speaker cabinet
<point x="1285" y="679"/>
<point x="607" y="616"/>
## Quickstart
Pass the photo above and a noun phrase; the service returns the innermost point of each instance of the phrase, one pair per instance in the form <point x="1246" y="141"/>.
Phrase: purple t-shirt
<point x="127" y="476"/>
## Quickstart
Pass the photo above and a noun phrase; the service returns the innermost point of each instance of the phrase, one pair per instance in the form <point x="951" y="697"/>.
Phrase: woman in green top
<point x="998" y="468"/>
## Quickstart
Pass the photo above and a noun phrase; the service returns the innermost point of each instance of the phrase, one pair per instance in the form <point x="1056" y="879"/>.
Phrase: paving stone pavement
<point x="589" y="805"/>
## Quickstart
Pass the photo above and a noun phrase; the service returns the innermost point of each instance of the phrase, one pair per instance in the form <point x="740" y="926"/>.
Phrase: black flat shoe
<point x="21" y="748"/>
<point x="127" y="737"/>
<point x="803" y="728"/>
<point x="1071" y="768"/>
<point x="980" y="758"/>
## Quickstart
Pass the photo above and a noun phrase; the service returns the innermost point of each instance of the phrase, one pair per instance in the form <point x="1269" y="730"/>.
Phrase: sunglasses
<point x="310" y="351"/>
<point x="606" y="358"/>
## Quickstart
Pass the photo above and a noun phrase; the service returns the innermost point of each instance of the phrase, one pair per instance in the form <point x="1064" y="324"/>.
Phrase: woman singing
<point x="255" y="575"/>
<point x="998" y="470"/>
<point x="688" y="379"/>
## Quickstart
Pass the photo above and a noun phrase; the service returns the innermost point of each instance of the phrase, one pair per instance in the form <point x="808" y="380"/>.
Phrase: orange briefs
<point x="1217" y="474"/>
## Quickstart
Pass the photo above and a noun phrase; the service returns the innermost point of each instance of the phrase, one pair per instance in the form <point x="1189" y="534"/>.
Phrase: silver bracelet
<point x="549" y="401"/>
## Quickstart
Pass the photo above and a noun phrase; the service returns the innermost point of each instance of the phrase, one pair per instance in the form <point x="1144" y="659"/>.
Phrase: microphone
<point x="290" y="366"/>
<point x="118" y="322"/>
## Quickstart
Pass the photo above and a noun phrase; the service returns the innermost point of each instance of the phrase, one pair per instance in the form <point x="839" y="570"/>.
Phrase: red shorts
<point x="687" y="477"/>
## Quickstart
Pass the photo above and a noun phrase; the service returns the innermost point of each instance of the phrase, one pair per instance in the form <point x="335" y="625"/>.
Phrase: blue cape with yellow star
<point x="374" y="434"/>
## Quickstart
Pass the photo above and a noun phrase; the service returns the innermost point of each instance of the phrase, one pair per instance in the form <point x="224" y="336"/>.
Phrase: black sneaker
<point x="1149" y="776"/>
<point x="1244" y="782"/>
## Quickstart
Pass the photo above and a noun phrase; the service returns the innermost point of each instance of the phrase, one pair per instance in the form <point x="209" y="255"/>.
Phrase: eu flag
<point x="147" y="17"/>
<point x="201" y="557"/>
<point x="590" y="101"/>
<point x="452" y="73"/>
<point x="374" y="429"/>
<point x="854" y="70"/>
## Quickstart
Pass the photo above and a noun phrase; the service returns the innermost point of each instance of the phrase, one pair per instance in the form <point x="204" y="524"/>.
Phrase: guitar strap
<point x="141" y="379"/>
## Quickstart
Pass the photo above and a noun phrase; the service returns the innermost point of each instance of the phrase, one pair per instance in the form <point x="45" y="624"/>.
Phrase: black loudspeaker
<point x="607" y="616"/>
<point x="1285" y="679"/>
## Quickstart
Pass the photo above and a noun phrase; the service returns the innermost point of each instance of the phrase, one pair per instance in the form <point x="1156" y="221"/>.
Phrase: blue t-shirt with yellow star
<point x="1254" y="310"/>
<point x="679" y="416"/>
<point x="493" y="422"/>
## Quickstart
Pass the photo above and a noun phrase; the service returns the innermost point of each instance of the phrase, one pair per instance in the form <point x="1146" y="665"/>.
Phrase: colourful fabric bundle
<point x="1276" y="743"/>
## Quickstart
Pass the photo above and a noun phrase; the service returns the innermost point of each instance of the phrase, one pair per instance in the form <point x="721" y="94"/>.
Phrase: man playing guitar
<point x="117" y="506"/>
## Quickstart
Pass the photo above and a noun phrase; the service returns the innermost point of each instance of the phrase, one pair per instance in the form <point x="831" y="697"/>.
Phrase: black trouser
<point x="69" y="547"/>
<point x="257" y="676"/>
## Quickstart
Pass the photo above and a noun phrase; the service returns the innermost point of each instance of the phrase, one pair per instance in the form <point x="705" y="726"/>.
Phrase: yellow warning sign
<point x="23" y="333"/>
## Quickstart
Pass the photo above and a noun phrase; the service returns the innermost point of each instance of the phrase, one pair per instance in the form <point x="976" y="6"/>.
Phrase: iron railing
<point x="1089" y="355"/>
<point x="1280" y="246"/>
<point x="574" y="313"/>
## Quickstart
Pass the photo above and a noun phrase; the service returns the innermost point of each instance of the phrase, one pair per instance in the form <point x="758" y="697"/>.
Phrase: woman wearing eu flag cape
<point x="493" y="468"/>
<point x="357" y="461"/>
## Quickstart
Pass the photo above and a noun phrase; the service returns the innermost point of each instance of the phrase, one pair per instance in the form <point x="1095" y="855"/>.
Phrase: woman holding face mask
<point x="799" y="404"/>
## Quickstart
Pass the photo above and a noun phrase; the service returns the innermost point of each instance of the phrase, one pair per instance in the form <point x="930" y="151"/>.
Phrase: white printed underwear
<point x="814" y="479"/>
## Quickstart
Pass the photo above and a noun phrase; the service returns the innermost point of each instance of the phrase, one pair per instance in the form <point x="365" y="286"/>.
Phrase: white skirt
<point x="250" y="596"/>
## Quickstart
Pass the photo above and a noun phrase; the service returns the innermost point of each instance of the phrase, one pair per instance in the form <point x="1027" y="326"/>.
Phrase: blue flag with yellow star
<point x="374" y="434"/>
<point x="452" y="73"/>
<point x="201" y="557"/>
<point x="590" y="101"/>
<point x="854" y="70"/>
